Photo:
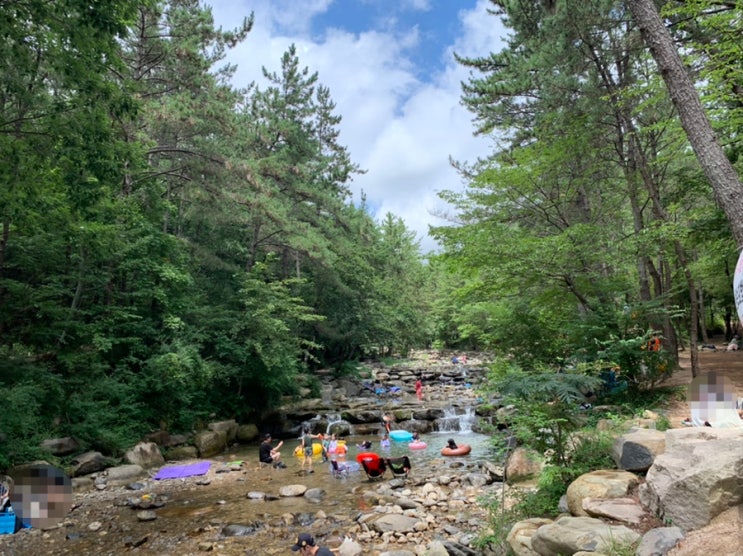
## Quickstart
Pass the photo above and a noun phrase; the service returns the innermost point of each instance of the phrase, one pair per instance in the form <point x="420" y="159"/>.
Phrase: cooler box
<point x="7" y="522"/>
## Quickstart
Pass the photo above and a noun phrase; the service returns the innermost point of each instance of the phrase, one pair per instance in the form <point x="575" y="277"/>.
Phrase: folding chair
<point x="374" y="466"/>
<point x="339" y="470"/>
<point x="400" y="467"/>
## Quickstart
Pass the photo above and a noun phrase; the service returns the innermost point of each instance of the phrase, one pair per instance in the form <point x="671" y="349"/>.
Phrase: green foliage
<point x="347" y="369"/>
<point x="105" y="413"/>
<point x="547" y="405"/>
<point x="644" y="368"/>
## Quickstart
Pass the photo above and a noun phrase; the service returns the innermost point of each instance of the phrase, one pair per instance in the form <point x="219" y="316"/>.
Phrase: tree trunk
<point x="718" y="169"/>
<point x="702" y="316"/>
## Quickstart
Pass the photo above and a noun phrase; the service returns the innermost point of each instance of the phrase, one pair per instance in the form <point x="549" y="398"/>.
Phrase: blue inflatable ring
<point x="401" y="436"/>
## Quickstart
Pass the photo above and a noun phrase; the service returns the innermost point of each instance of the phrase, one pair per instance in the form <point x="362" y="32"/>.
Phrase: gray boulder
<point x="210" y="443"/>
<point x="229" y="427"/>
<point x="123" y="474"/>
<point x="636" y="450"/>
<point x="89" y="462"/>
<point x="60" y="446"/>
<point x="145" y="454"/>
<point x="699" y="476"/>
<point x="657" y="542"/>
<point x="395" y="522"/>
<point x="569" y="535"/>
<point x="604" y="483"/>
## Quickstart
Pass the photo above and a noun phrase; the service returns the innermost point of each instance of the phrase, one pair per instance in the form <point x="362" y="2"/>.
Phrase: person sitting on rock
<point x="713" y="402"/>
<point x="268" y="454"/>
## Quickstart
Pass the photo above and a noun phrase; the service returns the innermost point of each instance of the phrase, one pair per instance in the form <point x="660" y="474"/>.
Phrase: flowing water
<point x="195" y="513"/>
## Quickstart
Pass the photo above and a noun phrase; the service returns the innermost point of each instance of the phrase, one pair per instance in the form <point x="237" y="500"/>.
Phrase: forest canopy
<point x="175" y="246"/>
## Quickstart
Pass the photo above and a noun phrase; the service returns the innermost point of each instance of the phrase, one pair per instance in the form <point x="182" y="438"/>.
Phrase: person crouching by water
<point x="269" y="454"/>
<point x="306" y="546"/>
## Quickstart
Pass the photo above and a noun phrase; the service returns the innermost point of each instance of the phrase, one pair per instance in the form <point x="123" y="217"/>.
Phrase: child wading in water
<point x="307" y="449"/>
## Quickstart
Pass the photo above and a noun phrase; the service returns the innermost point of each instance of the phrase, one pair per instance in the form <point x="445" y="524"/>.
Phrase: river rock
<point x="210" y="443"/>
<point x="604" y="483"/>
<point x="60" y="446"/>
<point x="659" y="541"/>
<point x="569" y="535"/>
<point x="315" y="495"/>
<point x="349" y="547"/>
<point x="292" y="490"/>
<point x="247" y="433"/>
<point x="436" y="548"/>
<point x="89" y="462"/>
<point x="229" y="427"/>
<point x="625" y="510"/>
<point x="123" y="474"/>
<point x="182" y="452"/>
<point x="146" y="455"/>
<point x="523" y="464"/>
<point x="699" y="476"/>
<point x="237" y="530"/>
<point x="636" y="450"/>
<point x="519" y="537"/>
<point x="396" y="523"/>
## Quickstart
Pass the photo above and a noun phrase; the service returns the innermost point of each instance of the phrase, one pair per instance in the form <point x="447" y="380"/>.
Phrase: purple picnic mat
<point x="180" y="471"/>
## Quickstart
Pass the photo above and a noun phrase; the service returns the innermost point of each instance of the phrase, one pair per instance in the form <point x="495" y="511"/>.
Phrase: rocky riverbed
<point x="243" y="509"/>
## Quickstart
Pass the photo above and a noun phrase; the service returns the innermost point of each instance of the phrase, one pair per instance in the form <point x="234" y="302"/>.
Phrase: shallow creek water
<point x="194" y="515"/>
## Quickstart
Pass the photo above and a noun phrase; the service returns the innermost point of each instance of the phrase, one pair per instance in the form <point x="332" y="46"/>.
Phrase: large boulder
<point x="210" y="443"/>
<point x="604" y="483"/>
<point x="699" y="476"/>
<point x="60" y="446"/>
<point x="623" y="510"/>
<point x="247" y="433"/>
<point x="659" y="541"/>
<point x="182" y="452"/>
<point x="519" y="537"/>
<point x="229" y="427"/>
<point x="89" y="462"/>
<point x="569" y="535"/>
<point x="123" y="474"/>
<point x="523" y="464"/>
<point x="145" y="454"/>
<point x="637" y="450"/>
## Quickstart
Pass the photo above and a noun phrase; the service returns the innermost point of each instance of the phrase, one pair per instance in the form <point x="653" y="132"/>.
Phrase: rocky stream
<point x="239" y="507"/>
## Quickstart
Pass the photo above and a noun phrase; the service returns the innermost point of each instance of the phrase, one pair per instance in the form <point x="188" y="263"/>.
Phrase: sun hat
<point x="304" y="539"/>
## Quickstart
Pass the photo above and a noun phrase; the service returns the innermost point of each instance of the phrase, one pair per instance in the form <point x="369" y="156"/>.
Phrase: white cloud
<point x="401" y="129"/>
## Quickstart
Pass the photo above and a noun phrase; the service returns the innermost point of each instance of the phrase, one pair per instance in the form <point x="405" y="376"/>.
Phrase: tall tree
<point x="718" y="169"/>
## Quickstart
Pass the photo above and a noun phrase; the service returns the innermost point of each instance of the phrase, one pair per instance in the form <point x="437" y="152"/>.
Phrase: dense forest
<point x="174" y="247"/>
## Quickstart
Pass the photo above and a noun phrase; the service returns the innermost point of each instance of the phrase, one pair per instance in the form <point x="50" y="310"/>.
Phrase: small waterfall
<point x="457" y="420"/>
<point x="335" y="422"/>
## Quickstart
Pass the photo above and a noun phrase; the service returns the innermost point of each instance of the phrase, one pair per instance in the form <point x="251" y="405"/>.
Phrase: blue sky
<point x="390" y="69"/>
